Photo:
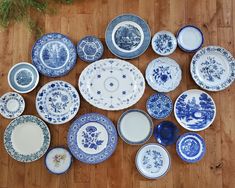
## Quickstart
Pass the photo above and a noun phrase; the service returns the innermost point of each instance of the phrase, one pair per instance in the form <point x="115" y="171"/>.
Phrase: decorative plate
<point x="195" y="110"/>
<point x="163" y="74"/>
<point x="127" y="36"/>
<point x="54" y="55"/>
<point x="111" y="84"/>
<point x="213" y="68"/>
<point x="153" y="161"/>
<point x="58" y="160"/>
<point x="12" y="105"/>
<point x="159" y="106"/>
<point x="23" y="77"/>
<point x="135" y="127"/>
<point x="26" y="138"/>
<point x="92" y="138"/>
<point x="191" y="147"/>
<point x="190" y="38"/>
<point x="90" y="49"/>
<point x="164" y="43"/>
<point x="57" y="102"/>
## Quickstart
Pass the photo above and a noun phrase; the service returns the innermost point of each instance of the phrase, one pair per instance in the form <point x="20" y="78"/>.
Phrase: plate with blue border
<point x="191" y="147"/>
<point x="54" y="55"/>
<point x="195" y="110"/>
<point x="127" y="36"/>
<point x="92" y="138"/>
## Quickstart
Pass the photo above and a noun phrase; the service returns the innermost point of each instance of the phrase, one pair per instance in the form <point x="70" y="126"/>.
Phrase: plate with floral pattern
<point x="213" y="68"/>
<point x="57" y="102"/>
<point x="153" y="161"/>
<point x="26" y="138"/>
<point x="92" y="138"/>
<point x="111" y="84"/>
<point x="127" y="36"/>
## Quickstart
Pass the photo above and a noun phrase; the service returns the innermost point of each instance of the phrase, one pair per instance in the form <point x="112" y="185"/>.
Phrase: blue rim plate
<point x="159" y="106"/>
<point x="195" y="110"/>
<point x="191" y="147"/>
<point x="54" y="55"/>
<point x="57" y="102"/>
<point x="127" y="36"/>
<point x="213" y="68"/>
<point x="92" y="138"/>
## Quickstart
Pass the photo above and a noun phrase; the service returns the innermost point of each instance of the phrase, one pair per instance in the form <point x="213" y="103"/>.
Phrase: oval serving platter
<point x="111" y="84"/>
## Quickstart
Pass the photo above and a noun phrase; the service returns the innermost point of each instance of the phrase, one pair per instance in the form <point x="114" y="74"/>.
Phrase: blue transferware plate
<point x="195" y="110"/>
<point x="213" y="68"/>
<point x="127" y="36"/>
<point x="92" y="138"/>
<point x="26" y="138"/>
<point x="23" y="77"/>
<point x="164" y="43"/>
<point x="90" y="49"/>
<point x="153" y="161"/>
<point x="58" y="160"/>
<point x="57" y="102"/>
<point x="166" y="133"/>
<point x="159" y="106"/>
<point x="163" y="74"/>
<point x="12" y="105"/>
<point x="54" y="55"/>
<point x="191" y="147"/>
<point x="190" y="38"/>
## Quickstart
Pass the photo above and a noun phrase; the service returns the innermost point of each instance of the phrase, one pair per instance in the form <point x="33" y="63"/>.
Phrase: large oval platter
<point x="111" y="84"/>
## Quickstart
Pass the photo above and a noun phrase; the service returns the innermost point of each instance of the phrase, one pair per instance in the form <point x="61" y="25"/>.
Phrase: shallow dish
<point x="127" y="36"/>
<point x="135" y="127"/>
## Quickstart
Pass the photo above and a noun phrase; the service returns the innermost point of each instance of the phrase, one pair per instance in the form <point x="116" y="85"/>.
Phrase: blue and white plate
<point x="191" y="147"/>
<point x="12" y="105"/>
<point x="27" y="138"/>
<point x="195" y="110"/>
<point x="92" y="138"/>
<point x="164" y="43"/>
<point x="213" y="68"/>
<point x="23" y="77"/>
<point x="190" y="38"/>
<point x="57" y="102"/>
<point x="163" y="74"/>
<point x="90" y="49"/>
<point x="127" y="36"/>
<point x="159" y="106"/>
<point x="54" y="55"/>
<point x="153" y="161"/>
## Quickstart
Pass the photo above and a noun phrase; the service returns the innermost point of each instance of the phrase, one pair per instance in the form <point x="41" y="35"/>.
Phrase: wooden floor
<point x="90" y="17"/>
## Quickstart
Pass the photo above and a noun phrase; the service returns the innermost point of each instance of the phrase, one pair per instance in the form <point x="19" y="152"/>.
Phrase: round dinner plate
<point x="127" y="36"/>
<point x="213" y="68"/>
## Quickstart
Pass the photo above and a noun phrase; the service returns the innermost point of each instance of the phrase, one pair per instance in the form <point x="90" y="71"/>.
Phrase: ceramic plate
<point x="54" y="55"/>
<point x="90" y="49"/>
<point x="23" y="77"/>
<point x="111" y="84"/>
<point x="213" y="68"/>
<point x="190" y="38"/>
<point x="12" y="105"/>
<point x="191" y="147"/>
<point x="153" y="161"/>
<point x="92" y="138"/>
<point x="127" y="36"/>
<point x="164" y="43"/>
<point x="163" y="74"/>
<point x="26" y="138"/>
<point x="159" y="106"/>
<point x="135" y="127"/>
<point x="195" y="110"/>
<point x="58" y="160"/>
<point x="57" y="102"/>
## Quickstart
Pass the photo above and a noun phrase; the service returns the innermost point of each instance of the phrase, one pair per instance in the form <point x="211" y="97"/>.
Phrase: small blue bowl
<point x="166" y="133"/>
